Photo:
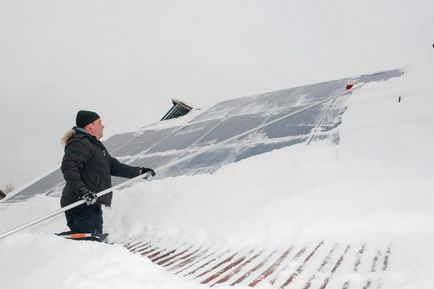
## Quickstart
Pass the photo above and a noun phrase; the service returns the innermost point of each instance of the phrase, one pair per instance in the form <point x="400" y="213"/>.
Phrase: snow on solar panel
<point x="228" y="132"/>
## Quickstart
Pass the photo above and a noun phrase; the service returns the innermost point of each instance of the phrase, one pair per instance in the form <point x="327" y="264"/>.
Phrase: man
<point x="87" y="168"/>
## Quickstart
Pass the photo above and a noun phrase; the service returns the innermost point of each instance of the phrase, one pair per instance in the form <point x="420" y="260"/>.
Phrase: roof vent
<point x="178" y="109"/>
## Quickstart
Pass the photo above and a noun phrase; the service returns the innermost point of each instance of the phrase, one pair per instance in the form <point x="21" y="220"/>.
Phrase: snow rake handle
<point x="145" y="176"/>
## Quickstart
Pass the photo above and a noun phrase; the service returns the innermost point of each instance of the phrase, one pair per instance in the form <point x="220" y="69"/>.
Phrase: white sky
<point x="127" y="59"/>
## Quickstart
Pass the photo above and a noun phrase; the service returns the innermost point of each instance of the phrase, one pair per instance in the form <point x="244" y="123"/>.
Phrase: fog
<point x="127" y="59"/>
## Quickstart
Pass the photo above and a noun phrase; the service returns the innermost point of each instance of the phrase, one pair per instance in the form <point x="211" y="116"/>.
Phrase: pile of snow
<point x="52" y="262"/>
<point x="376" y="186"/>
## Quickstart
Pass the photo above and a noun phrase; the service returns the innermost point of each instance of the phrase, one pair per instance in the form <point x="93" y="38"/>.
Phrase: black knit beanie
<point x="84" y="117"/>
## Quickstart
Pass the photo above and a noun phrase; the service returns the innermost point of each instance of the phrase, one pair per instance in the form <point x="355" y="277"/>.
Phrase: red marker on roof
<point x="349" y="86"/>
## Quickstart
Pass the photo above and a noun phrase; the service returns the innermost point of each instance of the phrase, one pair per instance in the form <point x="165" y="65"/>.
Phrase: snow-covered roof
<point x="351" y="210"/>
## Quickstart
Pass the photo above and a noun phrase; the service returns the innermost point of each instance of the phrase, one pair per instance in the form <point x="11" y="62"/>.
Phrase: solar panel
<point x="229" y="132"/>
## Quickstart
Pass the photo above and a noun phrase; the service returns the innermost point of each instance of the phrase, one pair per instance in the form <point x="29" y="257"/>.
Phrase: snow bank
<point x="52" y="262"/>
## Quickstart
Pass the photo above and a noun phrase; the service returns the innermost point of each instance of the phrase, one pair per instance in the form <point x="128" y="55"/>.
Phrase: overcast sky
<point x="126" y="59"/>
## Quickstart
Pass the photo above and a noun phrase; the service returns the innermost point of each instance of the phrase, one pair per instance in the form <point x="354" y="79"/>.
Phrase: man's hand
<point x="147" y="170"/>
<point x="88" y="196"/>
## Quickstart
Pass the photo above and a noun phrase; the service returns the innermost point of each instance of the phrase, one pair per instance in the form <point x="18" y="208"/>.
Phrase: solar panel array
<point x="228" y="132"/>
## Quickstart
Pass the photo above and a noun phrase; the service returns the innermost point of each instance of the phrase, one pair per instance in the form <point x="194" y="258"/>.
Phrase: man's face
<point x="95" y="128"/>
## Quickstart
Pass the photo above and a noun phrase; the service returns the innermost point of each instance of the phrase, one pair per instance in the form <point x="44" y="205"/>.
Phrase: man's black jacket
<point x="87" y="165"/>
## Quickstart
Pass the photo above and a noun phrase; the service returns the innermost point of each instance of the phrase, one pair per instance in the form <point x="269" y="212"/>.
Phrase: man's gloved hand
<point x="146" y="170"/>
<point x="88" y="196"/>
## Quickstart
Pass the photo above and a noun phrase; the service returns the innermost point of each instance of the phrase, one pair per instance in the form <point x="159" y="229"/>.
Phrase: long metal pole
<point x="73" y="205"/>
